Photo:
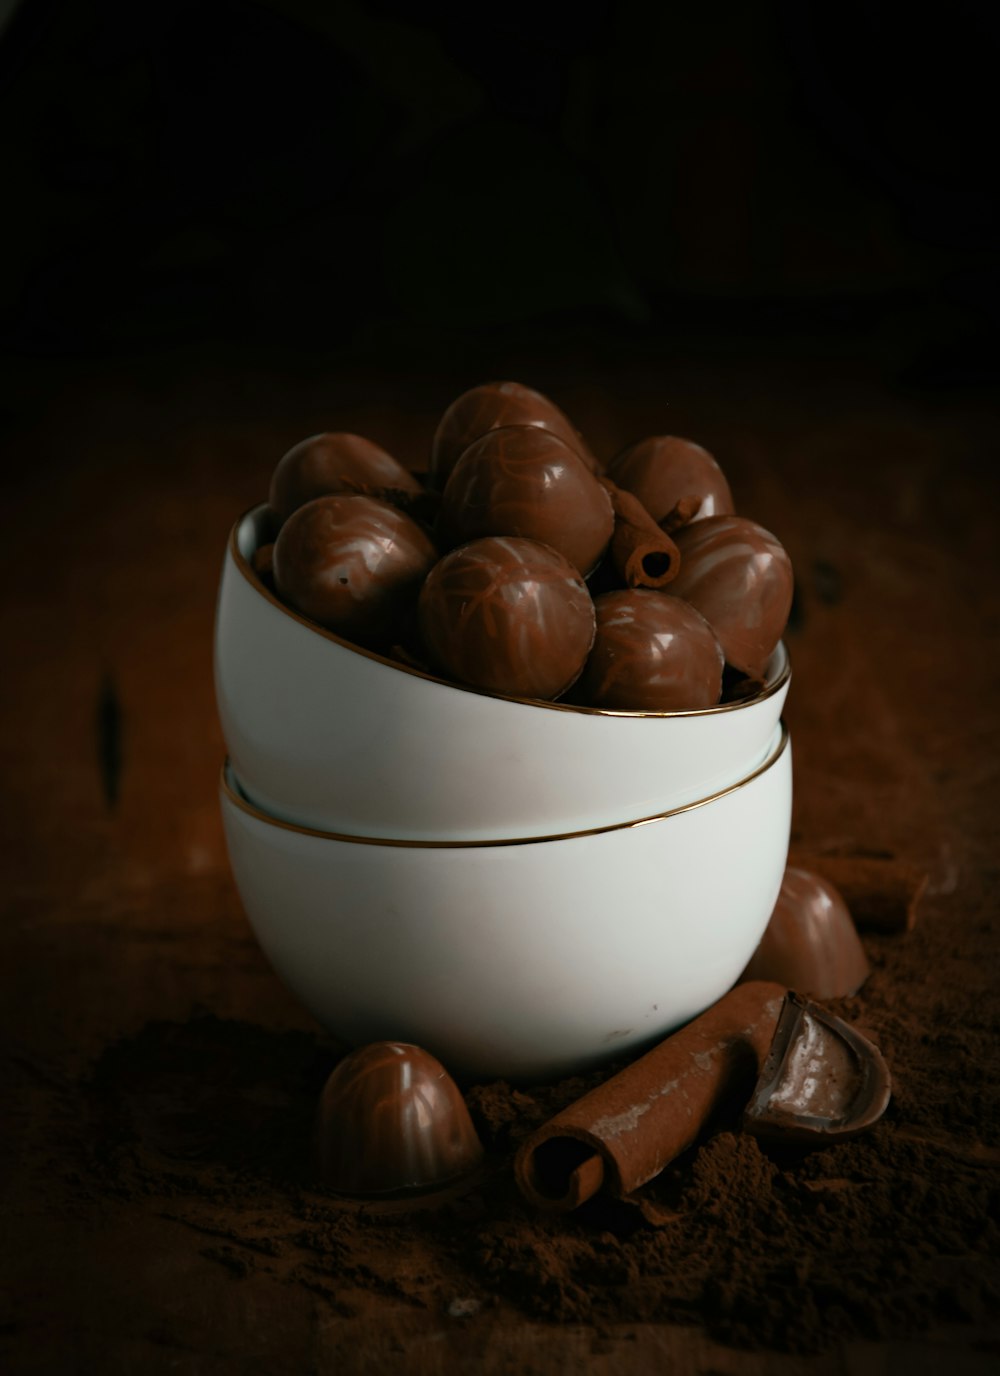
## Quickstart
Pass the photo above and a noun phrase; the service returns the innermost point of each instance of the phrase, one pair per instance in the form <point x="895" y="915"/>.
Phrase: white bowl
<point x="524" y="960"/>
<point x="322" y="733"/>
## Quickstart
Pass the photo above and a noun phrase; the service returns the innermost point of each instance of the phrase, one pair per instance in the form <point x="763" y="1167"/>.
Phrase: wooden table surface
<point x="118" y="907"/>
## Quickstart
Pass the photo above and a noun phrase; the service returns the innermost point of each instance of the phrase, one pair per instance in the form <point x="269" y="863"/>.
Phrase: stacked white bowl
<point x="522" y="888"/>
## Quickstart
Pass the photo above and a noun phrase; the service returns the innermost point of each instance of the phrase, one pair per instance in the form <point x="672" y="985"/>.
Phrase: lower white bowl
<point x="526" y="960"/>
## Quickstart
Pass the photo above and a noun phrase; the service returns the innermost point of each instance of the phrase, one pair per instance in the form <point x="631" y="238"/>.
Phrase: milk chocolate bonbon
<point x="810" y="943"/>
<point x="352" y="564"/>
<point x="652" y="653"/>
<point x="335" y="462"/>
<point x="740" y="579"/>
<point x="676" y="480"/>
<point x="391" y="1120"/>
<point x="489" y="406"/>
<point x="523" y="481"/>
<point x="509" y="616"/>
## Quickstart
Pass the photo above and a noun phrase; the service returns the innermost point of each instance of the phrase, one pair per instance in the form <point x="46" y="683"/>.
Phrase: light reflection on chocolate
<point x="391" y="1120"/>
<point x="524" y="481"/>
<point x="740" y="579"/>
<point x="652" y="653"/>
<point x="810" y="944"/>
<point x="509" y="616"/>
<point x="335" y="462"/>
<point x="676" y="480"/>
<point x="490" y="406"/>
<point x="352" y="564"/>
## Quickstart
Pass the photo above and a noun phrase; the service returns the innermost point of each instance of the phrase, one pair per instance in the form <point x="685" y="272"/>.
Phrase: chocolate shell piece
<point x="821" y="1081"/>
<point x="509" y="616"/>
<point x="335" y="462"/>
<point x="652" y="653"/>
<point x="740" y="579"/>
<point x="675" y="480"/>
<point x="524" y="481"/>
<point x="490" y="406"/>
<point x="810" y="944"/>
<point x="391" y="1120"/>
<point x="352" y="564"/>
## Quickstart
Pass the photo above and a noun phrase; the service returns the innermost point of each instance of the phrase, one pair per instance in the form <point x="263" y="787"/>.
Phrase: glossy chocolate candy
<point x="652" y="653"/>
<point x="509" y="616"/>
<point x="676" y="480"/>
<point x="822" y="1080"/>
<point x="740" y="578"/>
<point x="810" y="944"/>
<point x="490" y="406"/>
<point x="391" y="1120"/>
<point x="352" y="564"/>
<point x="335" y="462"/>
<point x="523" y="481"/>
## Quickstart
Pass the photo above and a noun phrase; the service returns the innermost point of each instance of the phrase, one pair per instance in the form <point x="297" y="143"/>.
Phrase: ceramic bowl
<point x="519" y="959"/>
<point x="322" y="733"/>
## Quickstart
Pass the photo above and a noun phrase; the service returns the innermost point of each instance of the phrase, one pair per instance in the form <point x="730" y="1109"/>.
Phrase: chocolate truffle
<point x="490" y="406"/>
<point x="740" y="579"/>
<point x="523" y="481"/>
<point x="810" y="944"/>
<point x="507" y="615"/>
<point x="676" y="480"/>
<point x="652" y="653"/>
<point x="352" y="564"/>
<point x="331" y="463"/>
<point x="391" y="1120"/>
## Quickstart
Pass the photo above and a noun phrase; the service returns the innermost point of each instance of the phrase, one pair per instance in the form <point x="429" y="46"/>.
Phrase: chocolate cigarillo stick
<point x="644" y="555"/>
<point x="883" y="895"/>
<point x="624" y="1132"/>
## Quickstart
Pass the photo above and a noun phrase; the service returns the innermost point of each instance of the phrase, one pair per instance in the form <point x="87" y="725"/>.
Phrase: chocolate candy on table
<point x="391" y="1120"/>
<point x="335" y="462"/>
<point x="523" y="481"/>
<point x="509" y="616"/>
<point x="822" y="1080"/>
<point x="352" y="564"/>
<point x="676" y="480"/>
<point x="740" y="579"/>
<point x="490" y="406"/>
<point x="810" y="944"/>
<point x="652" y="653"/>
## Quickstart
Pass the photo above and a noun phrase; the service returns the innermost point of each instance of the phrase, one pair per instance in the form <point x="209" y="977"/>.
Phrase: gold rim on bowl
<point x="232" y="792"/>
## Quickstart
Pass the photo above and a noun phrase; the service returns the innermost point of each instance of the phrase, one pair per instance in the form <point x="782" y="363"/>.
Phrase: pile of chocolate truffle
<point x="523" y="567"/>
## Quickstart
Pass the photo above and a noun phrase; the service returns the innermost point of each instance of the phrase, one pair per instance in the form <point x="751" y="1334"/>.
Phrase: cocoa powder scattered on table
<point x="209" y="1122"/>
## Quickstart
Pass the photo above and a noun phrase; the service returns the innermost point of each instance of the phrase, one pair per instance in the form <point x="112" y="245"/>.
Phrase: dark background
<point x="366" y="179"/>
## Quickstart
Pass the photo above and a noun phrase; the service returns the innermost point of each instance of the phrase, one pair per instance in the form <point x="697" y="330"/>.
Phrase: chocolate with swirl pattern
<point x="334" y="462"/>
<point x="676" y="480"/>
<point x="522" y="481"/>
<point x="740" y="578"/>
<point x="490" y="406"/>
<point x="508" y="616"/>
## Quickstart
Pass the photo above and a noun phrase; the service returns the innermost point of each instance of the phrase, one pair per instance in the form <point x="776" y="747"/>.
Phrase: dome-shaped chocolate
<point x="511" y="616"/>
<point x="811" y="944"/>
<point x="740" y="578"/>
<point x="676" y="480"/>
<point x="391" y="1119"/>
<point x="652" y="653"/>
<point x="335" y="462"/>
<point x="523" y="481"/>
<point x="352" y="564"/>
<point x="490" y="406"/>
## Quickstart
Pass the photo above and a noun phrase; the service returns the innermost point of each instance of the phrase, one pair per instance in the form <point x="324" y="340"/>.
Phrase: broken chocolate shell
<point x="822" y="1080"/>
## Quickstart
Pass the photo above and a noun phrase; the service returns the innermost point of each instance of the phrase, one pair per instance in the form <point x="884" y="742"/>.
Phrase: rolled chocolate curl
<point x="883" y="894"/>
<point x="644" y="555"/>
<point x="628" y="1129"/>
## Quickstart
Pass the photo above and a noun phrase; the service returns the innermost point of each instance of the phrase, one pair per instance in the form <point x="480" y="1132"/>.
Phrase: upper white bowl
<point x="331" y="736"/>
<point x="528" y="959"/>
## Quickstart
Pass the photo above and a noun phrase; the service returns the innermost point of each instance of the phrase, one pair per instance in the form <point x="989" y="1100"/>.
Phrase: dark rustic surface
<point x="119" y="916"/>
